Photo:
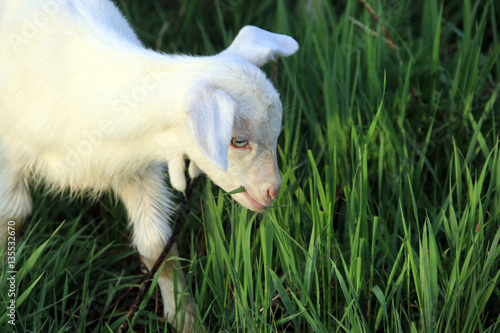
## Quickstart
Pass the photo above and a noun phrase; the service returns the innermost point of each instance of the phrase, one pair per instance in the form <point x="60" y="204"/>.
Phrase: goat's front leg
<point x="147" y="201"/>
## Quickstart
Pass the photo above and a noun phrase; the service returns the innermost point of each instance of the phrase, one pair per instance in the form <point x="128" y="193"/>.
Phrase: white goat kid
<point x="85" y="107"/>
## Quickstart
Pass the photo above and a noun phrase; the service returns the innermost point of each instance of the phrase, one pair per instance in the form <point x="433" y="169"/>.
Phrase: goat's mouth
<point x="255" y="204"/>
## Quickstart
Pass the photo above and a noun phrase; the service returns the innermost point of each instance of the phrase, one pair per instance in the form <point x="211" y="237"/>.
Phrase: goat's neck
<point x="149" y="106"/>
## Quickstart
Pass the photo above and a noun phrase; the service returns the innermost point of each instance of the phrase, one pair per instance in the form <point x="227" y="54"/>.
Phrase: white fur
<point x="85" y="107"/>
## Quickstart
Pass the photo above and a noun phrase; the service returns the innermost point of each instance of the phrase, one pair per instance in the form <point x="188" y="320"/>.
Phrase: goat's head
<point x="234" y="115"/>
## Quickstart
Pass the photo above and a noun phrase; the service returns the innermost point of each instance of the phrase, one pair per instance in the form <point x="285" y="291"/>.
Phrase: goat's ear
<point x="210" y="116"/>
<point x="260" y="46"/>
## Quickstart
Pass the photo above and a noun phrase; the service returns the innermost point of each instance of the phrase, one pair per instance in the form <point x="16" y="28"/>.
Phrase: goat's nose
<point x="272" y="193"/>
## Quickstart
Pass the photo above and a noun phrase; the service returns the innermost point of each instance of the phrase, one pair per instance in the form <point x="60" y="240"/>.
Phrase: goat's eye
<point x="239" y="143"/>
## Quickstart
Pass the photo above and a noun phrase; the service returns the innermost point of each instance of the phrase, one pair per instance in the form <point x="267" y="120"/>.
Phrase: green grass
<point x="388" y="217"/>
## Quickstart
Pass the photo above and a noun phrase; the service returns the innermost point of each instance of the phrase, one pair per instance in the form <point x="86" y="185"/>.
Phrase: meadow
<point x="388" y="219"/>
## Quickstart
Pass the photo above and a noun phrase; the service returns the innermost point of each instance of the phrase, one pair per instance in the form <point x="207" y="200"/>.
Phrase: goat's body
<point x="83" y="98"/>
<point x="85" y="107"/>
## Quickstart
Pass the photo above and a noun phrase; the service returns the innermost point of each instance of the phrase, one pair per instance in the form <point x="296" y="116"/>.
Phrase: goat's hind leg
<point x="15" y="200"/>
<point x="146" y="199"/>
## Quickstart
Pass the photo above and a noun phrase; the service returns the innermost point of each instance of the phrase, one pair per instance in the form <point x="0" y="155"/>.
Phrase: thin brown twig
<point x="370" y="31"/>
<point x="146" y="284"/>
<point x="377" y="19"/>
<point x="122" y="296"/>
